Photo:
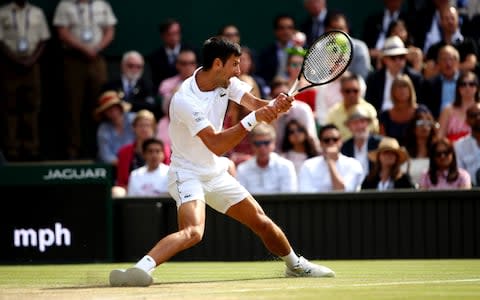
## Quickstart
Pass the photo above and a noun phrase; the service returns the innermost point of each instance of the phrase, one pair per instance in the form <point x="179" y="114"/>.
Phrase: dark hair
<point x="394" y="23"/>
<point x="325" y="128"/>
<point x="433" y="168"/>
<point x="218" y="47"/>
<point x="333" y="16"/>
<point x="279" y="17"/>
<point x="410" y="136"/>
<point x="151" y="141"/>
<point x="221" y="30"/>
<point x="309" y="143"/>
<point x="165" y="25"/>
<point x="458" y="98"/>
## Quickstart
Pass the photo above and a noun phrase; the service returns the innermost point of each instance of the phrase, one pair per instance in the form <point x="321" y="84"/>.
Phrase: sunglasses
<point x="295" y="65"/>
<point x="443" y="153"/>
<point x="262" y="143"/>
<point x="424" y="123"/>
<point x="329" y="140"/>
<point x="350" y="91"/>
<point x="467" y="83"/>
<point x="398" y="57"/>
<point x="473" y="114"/>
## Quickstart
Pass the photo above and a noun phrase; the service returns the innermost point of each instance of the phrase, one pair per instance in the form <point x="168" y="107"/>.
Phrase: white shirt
<point x="148" y="183"/>
<point x="192" y="110"/>
<point x="278" y="177"/>
<point x="387" y="91"/>
<point x="468" y="156"/>
<point x="361" y="154"/>
<point x="315" y="177"/>
<point x="387" y="19"/>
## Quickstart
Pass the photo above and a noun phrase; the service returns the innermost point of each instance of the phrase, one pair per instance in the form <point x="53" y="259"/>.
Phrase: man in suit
<point x="162" y="60"/>
<point x="376" y="26"/>
<point x="313" y="26"/>
<point x="362" y="140"/>
<point x="133" y="86"/>
<point x="273" y="59"/>
<point x="394" y="57"/>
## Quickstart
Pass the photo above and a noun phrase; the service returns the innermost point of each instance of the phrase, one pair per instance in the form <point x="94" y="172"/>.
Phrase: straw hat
<point x="394" y="46"/>
<point x="389" y="144"/>
<point x="107" y="100"/>
<point x="357" y="113"/>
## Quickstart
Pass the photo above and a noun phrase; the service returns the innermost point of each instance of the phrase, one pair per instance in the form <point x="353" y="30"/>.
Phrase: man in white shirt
<point x="266" y="172"/>
<point x="198" y="177"/>
<point x="467" y="149"/>
<point x="332" y="171"/>
<point x="151" y="179"/>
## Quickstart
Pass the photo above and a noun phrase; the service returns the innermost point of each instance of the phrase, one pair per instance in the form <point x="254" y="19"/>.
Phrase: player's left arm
<point x="282" y="102"/>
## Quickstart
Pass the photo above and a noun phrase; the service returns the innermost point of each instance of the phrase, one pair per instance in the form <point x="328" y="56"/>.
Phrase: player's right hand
<point x="266" y="114"/>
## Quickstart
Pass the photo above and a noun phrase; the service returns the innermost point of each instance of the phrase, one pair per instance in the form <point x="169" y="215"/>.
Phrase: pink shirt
<point x="462" y="181"/>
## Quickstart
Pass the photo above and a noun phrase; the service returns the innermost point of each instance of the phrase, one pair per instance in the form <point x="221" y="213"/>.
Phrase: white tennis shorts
<point x="219" y="192"/>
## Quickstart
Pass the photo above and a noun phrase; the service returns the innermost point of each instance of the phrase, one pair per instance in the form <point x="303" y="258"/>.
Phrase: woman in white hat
<point x="386" y="173"/>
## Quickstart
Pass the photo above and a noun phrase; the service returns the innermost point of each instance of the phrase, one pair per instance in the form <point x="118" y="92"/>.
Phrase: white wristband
<point x="249" y="121"/>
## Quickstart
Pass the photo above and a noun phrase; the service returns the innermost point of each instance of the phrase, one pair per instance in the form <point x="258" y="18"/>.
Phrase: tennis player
<point x="197" y="177"/>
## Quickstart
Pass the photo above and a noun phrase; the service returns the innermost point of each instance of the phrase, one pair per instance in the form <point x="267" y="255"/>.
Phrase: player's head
<point x="219" y="48"/>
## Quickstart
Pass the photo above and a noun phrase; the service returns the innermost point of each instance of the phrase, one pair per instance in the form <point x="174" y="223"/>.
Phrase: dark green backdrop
<point x="138" y="20"/>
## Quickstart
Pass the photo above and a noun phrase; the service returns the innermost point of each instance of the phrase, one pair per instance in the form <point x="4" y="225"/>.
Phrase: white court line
<point x="416" y="282"/>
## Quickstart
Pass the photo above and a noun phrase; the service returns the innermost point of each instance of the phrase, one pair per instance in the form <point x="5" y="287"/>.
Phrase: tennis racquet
<point x="326" y="60"/>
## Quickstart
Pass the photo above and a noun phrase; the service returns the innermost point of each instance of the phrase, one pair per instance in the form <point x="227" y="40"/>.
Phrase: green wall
<point x="138" y="20"/>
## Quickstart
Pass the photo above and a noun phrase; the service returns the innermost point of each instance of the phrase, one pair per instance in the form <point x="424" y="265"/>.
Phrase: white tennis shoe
<point x="304" y="268"/>
<point x="130" y="277"/>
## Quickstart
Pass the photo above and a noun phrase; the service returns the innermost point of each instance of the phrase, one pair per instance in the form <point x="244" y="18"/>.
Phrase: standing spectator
<point x="23" y="35"/>
<point x="151" y="179"/>
<point x="332" y="171"/>
<point x="186" y="64"/>
<point x="249" y="67"/>
<point x="362" y="140"/>
<point x="451" y="35"/>
<point x="395" y="120"/>
<point x="266" y="172"/>
<point x="115" y="129"/>
<point x="427" y="19"/>
<point x="386" y="173"/>
<point x="443" y="172"/>
<point x="314" y="26"/>
<point x="360" y="64"/>
<point x="351" y="92"/>
<point x="376" y="26"/>
<point x="133" y="86"/>
<point x="297" y="145"/>
<point x="85" y="28"/>
<point x="162" y="60"/>
<point x="439" y="91"/>
<point x="379" y="83"/>
<point x="467" y="149"/>
<point x="421" y="132"/>
<point x="230" y="32"/>
<point x="273" y="59"/>
<point x="415" y="55"/>
<point x="453" y="117"/>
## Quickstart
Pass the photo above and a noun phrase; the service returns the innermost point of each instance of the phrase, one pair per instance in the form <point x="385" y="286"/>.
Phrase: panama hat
<point x="389" y="144"/>
<point x="357" y="113"/>
<point x="107" y="100"/>
<point x="394" y="46"/>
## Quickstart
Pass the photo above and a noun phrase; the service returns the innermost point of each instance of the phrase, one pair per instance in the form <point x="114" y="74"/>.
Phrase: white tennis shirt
<point x="192" y="110"/>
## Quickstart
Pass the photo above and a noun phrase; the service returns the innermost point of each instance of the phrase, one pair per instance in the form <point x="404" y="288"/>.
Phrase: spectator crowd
<point x="406" y="113"/>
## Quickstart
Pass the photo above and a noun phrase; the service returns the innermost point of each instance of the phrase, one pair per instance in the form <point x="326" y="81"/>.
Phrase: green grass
<point x="358" y="279"/>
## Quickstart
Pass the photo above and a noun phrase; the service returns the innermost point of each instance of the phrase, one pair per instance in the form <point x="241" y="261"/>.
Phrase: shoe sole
<point x="289" y="273"/>
<point x="130" y="277"/>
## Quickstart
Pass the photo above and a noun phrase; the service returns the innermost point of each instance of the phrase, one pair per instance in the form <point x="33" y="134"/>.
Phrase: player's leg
<point x="249" y="213"/>
<point x="191" y="224"/>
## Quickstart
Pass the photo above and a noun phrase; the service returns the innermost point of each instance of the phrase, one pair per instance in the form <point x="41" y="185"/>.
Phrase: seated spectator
<point x="467" y="149"/>
<point x="133" y="86"/>
<point x="115" y="129"/>
<point x="452" y="118"/>
<point x="443" y="172"/>
<point x="362" y="140"/>
<point x="386" y="173"/>
<point x="351" y="93"/>
<point x="394" y="121"/>
<point x="421" y="133"/>
<point x="332" y="171"/>
<point x="130" y="156"/>
<point x="266" y="172"/>
<point x="297" y="145"/>
<point x="294" y="66"/>
<point x="415" y="54"/>
<point x="151" y="179"/>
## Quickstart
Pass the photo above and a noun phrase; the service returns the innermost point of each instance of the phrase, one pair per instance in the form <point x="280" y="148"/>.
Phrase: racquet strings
<point x="326" y="60"/>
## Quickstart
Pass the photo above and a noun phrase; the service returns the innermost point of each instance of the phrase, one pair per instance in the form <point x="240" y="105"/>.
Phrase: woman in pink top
<point x="452" y="118"/>
<point x="443" y="172"/>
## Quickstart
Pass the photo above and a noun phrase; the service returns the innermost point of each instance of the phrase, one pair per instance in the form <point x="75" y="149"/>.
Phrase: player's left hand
<point x="283" y="103"/>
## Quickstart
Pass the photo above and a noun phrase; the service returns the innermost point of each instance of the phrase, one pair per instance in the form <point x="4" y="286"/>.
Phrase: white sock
<point x="147" y="263"/>
<point x="291" y="259"/>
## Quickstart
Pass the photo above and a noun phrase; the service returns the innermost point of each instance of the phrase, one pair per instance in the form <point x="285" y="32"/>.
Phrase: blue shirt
<point x="109" y="141"/>
<point x="448" y="90"/>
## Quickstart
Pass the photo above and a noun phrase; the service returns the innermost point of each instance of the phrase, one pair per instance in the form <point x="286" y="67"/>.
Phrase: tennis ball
<point x="339" y="45"/>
